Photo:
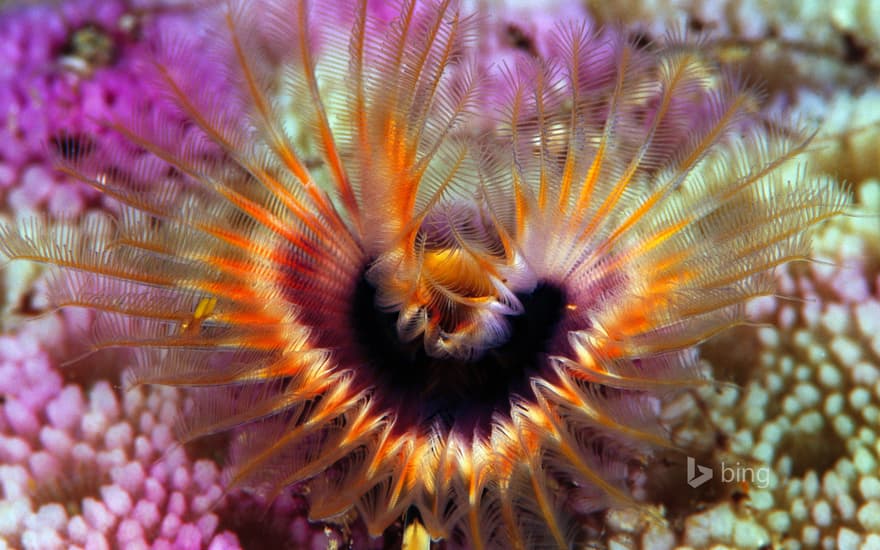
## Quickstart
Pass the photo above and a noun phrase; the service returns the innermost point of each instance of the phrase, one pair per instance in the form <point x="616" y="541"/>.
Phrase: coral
<point x="805" y="410"/>
<point x="49" y="86"/>
<point x="849" y="136"/>
<point x="90" y="468"/>
<point x="80" y="462"/>
<point x="66" y="69"/>
<point x="807" y="414"/>
<point x="817" y="41"/>
<point x="80" y="466"/>
<point x="811" y="410"/>
<point x="817" y="60"/>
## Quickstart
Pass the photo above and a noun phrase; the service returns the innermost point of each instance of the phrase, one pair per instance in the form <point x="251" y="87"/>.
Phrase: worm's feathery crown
<point x="633" y="190"/>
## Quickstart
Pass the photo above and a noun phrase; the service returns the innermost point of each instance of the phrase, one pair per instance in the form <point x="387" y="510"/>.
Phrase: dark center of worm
<point x="464" y="394"/>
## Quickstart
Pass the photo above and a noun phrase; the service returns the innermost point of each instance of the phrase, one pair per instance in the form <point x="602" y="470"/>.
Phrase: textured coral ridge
<point x="44" y="88"/>
<point x="343" y="244"/>
<point x="82" y="470"/>
<point x="807" y="411"/>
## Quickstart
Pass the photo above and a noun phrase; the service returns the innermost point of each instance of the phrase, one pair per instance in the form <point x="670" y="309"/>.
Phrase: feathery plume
<point x="403" y="281"/>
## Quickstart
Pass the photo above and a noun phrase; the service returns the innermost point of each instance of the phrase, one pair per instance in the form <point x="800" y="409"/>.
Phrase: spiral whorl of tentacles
<point x="403" y="281"/>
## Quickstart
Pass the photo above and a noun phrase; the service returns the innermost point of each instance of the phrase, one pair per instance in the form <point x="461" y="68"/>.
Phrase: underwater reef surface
<point x="792" y="441"/>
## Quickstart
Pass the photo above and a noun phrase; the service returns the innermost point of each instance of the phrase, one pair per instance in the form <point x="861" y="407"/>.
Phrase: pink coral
<point x="66" y="69"/>
<point x="98" y="457"/>
<point x="96" y="470"/>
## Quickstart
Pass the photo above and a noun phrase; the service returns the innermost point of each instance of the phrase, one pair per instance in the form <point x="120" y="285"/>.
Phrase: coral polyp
<point x="403" y="281"/>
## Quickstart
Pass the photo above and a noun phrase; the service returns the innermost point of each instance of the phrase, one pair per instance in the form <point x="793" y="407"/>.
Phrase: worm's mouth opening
<point x="455" y="392"/>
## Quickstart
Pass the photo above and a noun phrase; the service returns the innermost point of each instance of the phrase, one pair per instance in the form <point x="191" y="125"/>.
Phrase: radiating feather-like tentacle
<point x="323" y="237"/>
